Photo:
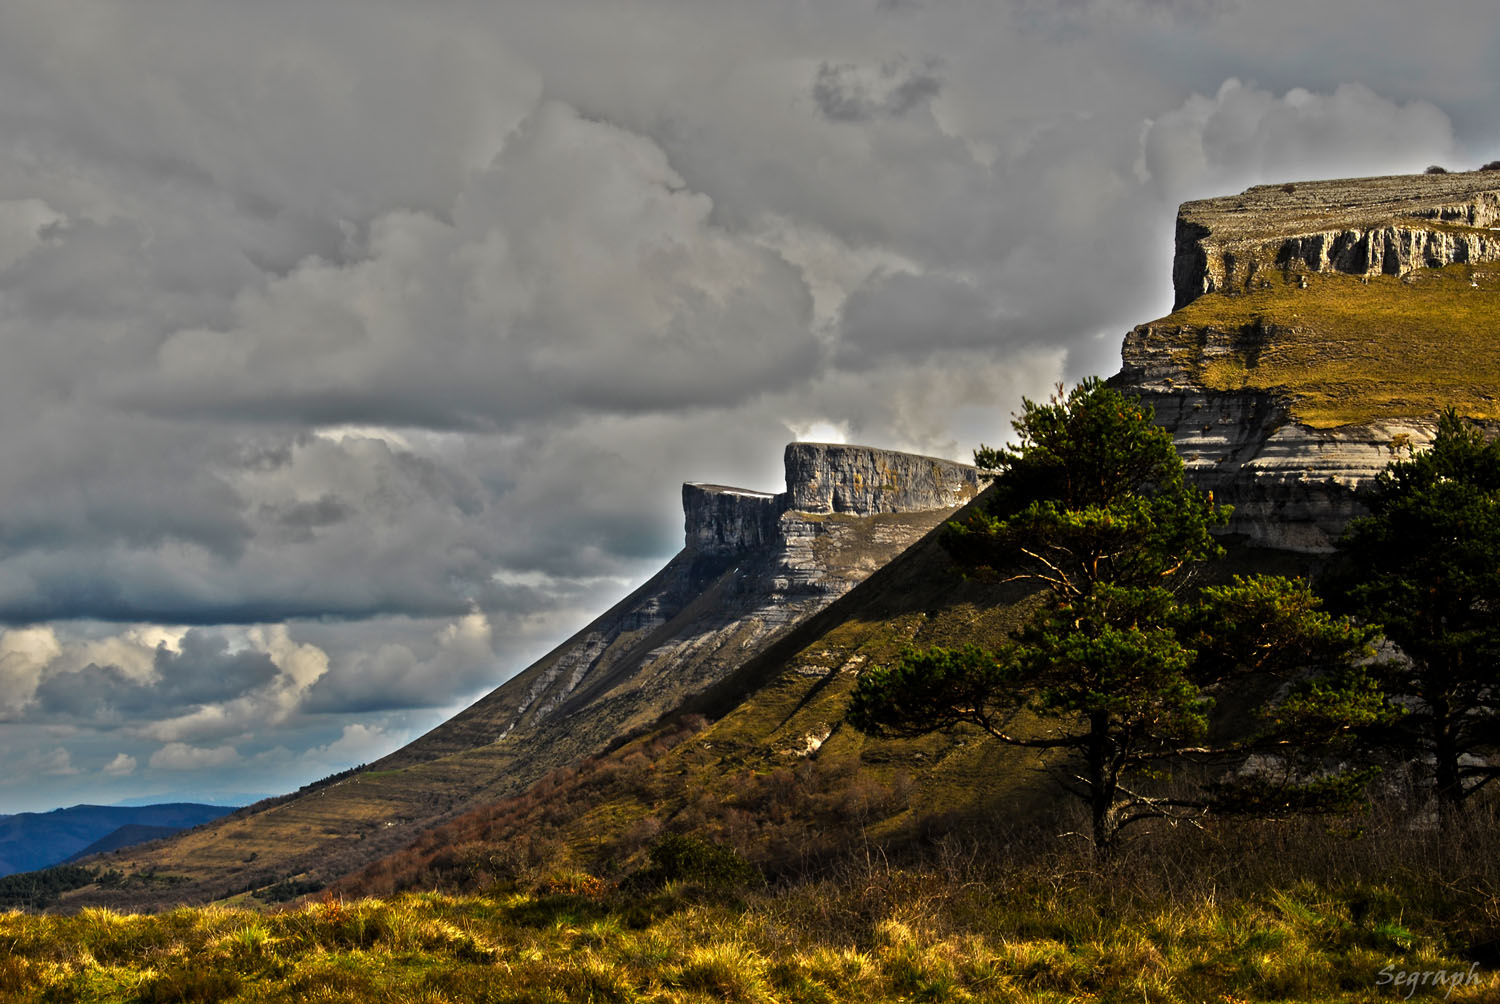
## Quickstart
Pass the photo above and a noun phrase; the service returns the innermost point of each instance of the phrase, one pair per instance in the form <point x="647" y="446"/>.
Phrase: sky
<point x="352" y="352"/>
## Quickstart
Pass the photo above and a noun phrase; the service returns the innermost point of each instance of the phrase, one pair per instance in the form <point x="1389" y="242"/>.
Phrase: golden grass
<point x="889" y="934"/>
<point x="1345" y="351"/>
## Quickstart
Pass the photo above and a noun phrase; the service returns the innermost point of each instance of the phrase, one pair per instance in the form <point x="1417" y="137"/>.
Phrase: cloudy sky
<point x="354" y="350"/>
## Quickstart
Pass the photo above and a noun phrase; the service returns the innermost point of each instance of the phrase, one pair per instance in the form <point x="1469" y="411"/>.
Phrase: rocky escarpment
<point x="823" y="478"/>
<point x="1288" y="385"/>
<point x="826" y="477"/>
<point x="1292" y="486"/>
<point x="1364" y="226"/>
<point x="753" y="564"/>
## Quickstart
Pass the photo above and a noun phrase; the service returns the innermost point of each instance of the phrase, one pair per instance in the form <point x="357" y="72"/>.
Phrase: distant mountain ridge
<point x="126" y="836"/>
<point x="32" y="840"/>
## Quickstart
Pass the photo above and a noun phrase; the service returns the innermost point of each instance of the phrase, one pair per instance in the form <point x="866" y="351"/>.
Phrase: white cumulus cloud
<point x="181" y="756"/>
<point x="122" y="765"/>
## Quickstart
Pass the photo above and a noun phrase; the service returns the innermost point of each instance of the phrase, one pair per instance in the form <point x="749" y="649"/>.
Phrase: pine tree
<point x="1122" y="657"/>
<point x="1425" y="565"/>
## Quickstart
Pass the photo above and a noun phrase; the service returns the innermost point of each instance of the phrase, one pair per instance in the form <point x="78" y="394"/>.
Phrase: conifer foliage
<point x="1118" y="668"/>
<point x="1425" y="564"/>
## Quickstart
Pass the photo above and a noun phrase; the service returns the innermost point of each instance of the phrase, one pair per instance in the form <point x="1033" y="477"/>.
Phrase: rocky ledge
<point x="1292" y="487"/>
<point x="823" y="479"/>
<point x="1363" y="226"/>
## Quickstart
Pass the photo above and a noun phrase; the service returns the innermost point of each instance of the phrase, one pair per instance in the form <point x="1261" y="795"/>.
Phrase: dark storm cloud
<point x="203" y="672"/>
<point x="300" y="519"/>
<point x="844" y="93"/>
<point x="403" y="323"/>
<point x="913" y="316"/>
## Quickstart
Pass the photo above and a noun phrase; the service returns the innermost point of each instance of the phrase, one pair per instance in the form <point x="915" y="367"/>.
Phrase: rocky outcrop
<point x="827" y="477"/>
<point x="753" y="565"/>
<point x="1365" y="226"/>
<point x="1292" y="485"/>
<point x="822" y="478"/>
<point x="724" y="520"/>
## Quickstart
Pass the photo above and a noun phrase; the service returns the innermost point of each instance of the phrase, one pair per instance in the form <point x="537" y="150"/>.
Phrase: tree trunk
<point x="1450" y="788"/>
<point x="1101" y="781"/>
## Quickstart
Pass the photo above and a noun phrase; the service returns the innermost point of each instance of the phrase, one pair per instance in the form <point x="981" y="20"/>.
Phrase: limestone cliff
<point x="752" y="564"/>
<point x="1364" y="226"/>
<point x="1319" y="327"/>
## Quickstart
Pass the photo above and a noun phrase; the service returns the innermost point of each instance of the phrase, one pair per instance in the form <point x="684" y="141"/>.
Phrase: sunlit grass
<point x="1349" y="351"/>
<point x="1037" y="939"/>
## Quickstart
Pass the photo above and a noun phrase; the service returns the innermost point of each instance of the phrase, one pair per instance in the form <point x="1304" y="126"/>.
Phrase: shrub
<point x="1493" y="165"/>
<point x="1436" y="169"/>
<point x="679" y="857"/>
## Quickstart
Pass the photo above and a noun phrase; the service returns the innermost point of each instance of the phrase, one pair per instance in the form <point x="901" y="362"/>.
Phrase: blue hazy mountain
<point x="32" y="840"/>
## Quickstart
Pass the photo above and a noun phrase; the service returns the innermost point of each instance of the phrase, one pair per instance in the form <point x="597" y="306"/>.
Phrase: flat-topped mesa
<point x="861" y="480"/>
<point x="823" y="478"/>
<point x="1361" y="226"/>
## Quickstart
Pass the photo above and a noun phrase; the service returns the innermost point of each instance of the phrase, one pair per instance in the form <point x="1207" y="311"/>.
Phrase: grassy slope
<point x="1348" y="352"/>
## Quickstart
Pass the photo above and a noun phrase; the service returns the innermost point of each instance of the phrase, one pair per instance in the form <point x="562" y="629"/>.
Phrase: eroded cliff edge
<point x="1318" y="329"/>
<point x="753" y="564"/>
<point x="1361" y="226"/>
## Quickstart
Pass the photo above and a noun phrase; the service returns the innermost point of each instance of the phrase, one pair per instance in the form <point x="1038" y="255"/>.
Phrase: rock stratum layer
<point x="1319" y="327"/>
<point x="1364" y="227"/>
<point x="754" y="565"/>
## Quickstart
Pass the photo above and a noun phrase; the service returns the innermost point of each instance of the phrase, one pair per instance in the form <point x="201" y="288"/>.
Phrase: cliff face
<point x="824" y="477"/>
<point x="1363" y="227"/>
<point x="1319" y="327"/>
<point x="752" y="564"/>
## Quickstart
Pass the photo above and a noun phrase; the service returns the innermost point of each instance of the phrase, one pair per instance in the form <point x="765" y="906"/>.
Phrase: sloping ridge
<point x="752" y="569"/>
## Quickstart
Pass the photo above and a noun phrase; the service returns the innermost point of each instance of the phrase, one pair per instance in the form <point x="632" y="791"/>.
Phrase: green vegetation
<point x="1425" y="564"/>
<point x="1121" y="663"/>
<point x="40" y="889"/>
<point x="1345" y="351"/>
